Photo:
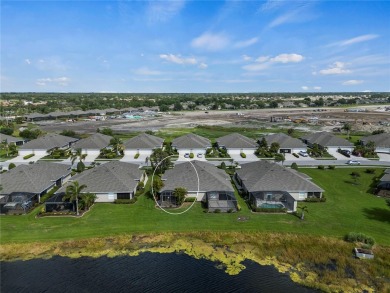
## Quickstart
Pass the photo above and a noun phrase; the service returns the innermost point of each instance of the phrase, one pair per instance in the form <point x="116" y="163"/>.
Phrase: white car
<point x="353" y="162"/>
<point x="199" y="155"/>
<point x="186" y="155"/>
<point x="303" y="154"/>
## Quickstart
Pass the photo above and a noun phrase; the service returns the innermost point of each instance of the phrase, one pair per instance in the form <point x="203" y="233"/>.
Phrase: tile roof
<point x="380" y="140"/>
<point x="95" y="141"/>
<point x="236" y="141"/>
<point x="284" y="141"/>
<point x="113" y="177"/>
<point x="327" y="139"/>
<point x="267" y="176"/>
<point x="191" y="140"/>
<point x="144" y="141"/>
<point x="48" y="142"/>
<point x="33" y="178"/>
<point x="184" y="175"/>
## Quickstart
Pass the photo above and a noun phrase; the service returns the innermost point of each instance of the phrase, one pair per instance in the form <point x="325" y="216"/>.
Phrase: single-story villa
<point x="326" y="140"/>
<point x="191" y="143"/>
<point x="92" y="145"/>
<point x="24" y="185"/>
<point x="42" y="145"/>
<point x="269" y="185"/>
<point x="287" y="143"/>
<point x="214" y="185"/>
<point x="382" y="142"/>
<point x="12" y="140"/>
<point x="384" y="182"/>
<point x="110" y="181"/>
<point x="142" y="144"/>
<point x="236" y="143"/>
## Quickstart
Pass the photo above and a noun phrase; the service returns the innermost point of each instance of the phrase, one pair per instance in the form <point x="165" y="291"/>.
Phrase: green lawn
<point x="348" y="208"/>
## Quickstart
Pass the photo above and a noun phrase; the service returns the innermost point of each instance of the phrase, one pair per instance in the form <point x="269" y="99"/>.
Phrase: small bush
<point x="133" y="200"/>
<point x="190" y="199"/>
<point x="80" y="167"/>
<point x="136" y="156"/>
<point x="321" y="167"/>
<point x="217" y="211"/>
<point x="230" y="211"/>
<point x="11" y="166"/>
<point x="28" y="156"/>
<point x="370" y="171"/>
<point x="270" y="210"/>
<point x="331" y="167"/>
<point x="191" y="155"/>
<point x="295" y="155"/>
<point x="294" y="166"/>
<point x="243" y="155"/>
<point x="359" y="237"/>
<point x="355" y="174"/>
<point x="122" y="201"/>
<point x="315" y="199"/>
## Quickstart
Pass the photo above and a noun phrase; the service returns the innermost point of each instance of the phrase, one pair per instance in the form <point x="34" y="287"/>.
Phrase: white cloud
<point x="305" y="88"/>
<point x="246" y="58"/>
<point x="27" y="61"/>
<point x="62" y="81"/>
<point x="335" y="68"/>
<point x="256" y="66"/>
<point x="178" y="59"/>
<point x="203" y="65"/>
<point x="352" y="82"/>
<point x="246" y="43"/>
<point x="287" y="58"/>
<point x="262" y="59"/>
<point x="161" y="11"/>
<point x="146" y="71"/>
<point x="358" y="39"/>
<point x="211" y="42"/>
<point x="317" y="88"/>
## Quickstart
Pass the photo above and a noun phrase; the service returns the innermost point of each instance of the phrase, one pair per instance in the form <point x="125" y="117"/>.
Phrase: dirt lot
<point x="327" y="119"/>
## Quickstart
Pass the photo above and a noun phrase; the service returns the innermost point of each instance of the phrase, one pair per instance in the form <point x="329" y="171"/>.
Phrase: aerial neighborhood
<point x="263" y="170"/>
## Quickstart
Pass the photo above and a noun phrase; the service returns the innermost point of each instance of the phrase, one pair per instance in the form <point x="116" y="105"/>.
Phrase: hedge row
<point x="190" y="199"/>
<point x="270" y="210"/>
<point x="28" y="156"/>
<point x="315" y="199"/>
<point x="125" y="201"/>
<point x="359" y="237"/>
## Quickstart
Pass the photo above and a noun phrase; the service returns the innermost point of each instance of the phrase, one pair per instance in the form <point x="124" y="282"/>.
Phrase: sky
<point x="195" y="46"/>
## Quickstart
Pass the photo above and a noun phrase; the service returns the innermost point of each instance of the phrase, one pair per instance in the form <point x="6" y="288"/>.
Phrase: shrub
<point x="11" y="166"/>
<point x="294" y="166"/>
<point x="28" y="156"/>
<point x="7" y="130"/>
<point x="136" y="156"/>
<point x="133" y="200"/>
<point x="370" y="171"/>
<point x="359" y="237"/>
<point x="243" y="155"/>
<point x="321" y="167"/>
<point x="140" y="185"/>
<point x="49" y="194"/>
<point x="223" y="165"/>
<point x="355" y="174"/>
<point x="122" y="201"/>
<point x="80" y="166"/>
<point x="191" y="155"/>
<point x="217" y="211"/>
<point x="190" y="199"/>
<point x="315" y="199"/>
<point x="230" y="211"/>
<point x="110" y="156"/>
<point x="270" y="210"/>
<point x="331" y="167"/>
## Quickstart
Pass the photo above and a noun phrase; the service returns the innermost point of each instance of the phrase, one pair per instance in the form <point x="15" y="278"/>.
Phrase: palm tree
<point x="73" y="192"/>
<point x="347" y="127"/>
<point x="280" y="158"/>
<point x="5" y="145"/>
<point x="88" y="199"/>
<point x="303" y="210"/>
<point x="77" y="154"/>
<point x="117" y="145"/>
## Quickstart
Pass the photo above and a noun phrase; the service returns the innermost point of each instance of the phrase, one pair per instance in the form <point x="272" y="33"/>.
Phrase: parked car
<point x="346" y="153"/>
<point x="353" y="162"/>
<point x="186" y="155"/>
<point x="199" y="155"/>
<point x="303" y="154"/>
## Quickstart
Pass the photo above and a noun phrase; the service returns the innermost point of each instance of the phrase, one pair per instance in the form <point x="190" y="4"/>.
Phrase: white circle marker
<point x="153" y="193"/>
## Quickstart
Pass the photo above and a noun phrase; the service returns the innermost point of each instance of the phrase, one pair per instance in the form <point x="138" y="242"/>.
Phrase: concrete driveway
<point x="384" y="157"/>
<point x="181" y="158"/>
<point x="249" y="158"/>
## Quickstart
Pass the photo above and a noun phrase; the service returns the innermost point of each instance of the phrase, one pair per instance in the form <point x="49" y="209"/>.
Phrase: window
<point x="302" y="195"/>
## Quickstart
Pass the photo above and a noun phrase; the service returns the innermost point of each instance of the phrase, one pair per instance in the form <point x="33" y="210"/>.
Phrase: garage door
<point x="234" y="152"/>
<point x="285" y="151"/>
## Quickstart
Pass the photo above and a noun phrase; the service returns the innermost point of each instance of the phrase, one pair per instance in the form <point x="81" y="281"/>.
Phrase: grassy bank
<point x="319" y="262"/>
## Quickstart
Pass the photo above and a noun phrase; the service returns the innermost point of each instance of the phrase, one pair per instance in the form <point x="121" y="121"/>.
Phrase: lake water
<point x="148" y="272"/>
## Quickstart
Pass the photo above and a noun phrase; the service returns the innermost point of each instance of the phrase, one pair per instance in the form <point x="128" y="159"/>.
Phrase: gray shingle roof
<point x="380" y="140"/>
<point x="48" y="142"/>
<point x="236" y="141"/>
<point x="144" y="141"/>
<point x="33" y="178"/>
<point x="36" y="115"/>
<point x="113" y="177"/>
<point x="95" y="141"/>
<point x="385" y="177"/>
<point x="327" y="139"/>
<point x="210" y="177"/>
<point x="267" y="176"/>
<point x="284" y="140"/>
<point x="191" y="140"/>
<point x="9" y="138"/>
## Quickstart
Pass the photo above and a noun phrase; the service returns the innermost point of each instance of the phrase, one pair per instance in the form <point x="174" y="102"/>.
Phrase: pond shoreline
<point x="322" y="263"/>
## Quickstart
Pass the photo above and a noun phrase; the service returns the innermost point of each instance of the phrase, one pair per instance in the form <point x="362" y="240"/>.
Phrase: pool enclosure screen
<point x="224" y="201"/>
<point x="272" y="199"/>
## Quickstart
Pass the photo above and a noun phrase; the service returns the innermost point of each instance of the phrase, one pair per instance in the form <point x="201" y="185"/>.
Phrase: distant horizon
<point x="185" y="46"/>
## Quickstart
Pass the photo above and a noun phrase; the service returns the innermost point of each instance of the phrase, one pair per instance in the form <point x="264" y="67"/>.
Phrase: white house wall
<point x="238" y="151"/>
<point x="382" y="150"/>
<point x="199" y="197"/>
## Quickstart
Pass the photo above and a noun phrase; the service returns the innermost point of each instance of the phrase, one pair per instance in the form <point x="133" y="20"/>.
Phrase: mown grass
<point x="348" y="208"/>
